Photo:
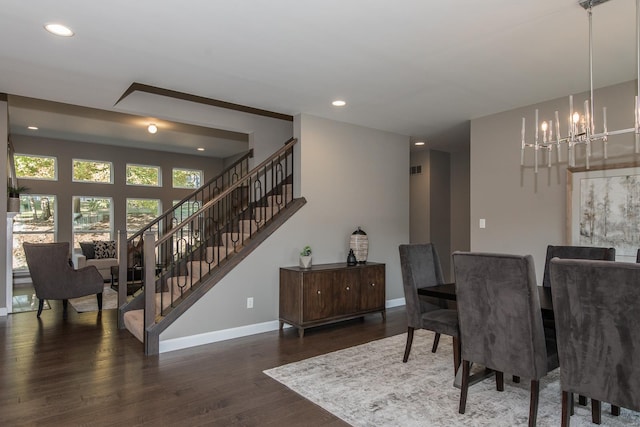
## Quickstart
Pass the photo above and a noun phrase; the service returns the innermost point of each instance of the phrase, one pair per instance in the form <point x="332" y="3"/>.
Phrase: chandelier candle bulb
<point x="558" y="136"/>
<point x="604" y="125"/>
<point x="522" y="149"/>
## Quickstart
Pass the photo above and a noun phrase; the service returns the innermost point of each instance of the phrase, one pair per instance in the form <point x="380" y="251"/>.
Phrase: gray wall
<point x="351" y="176"/>
<point x="440" y="207"/>
<point x="65" y="189"/>
<point x="419" y="203"/>
<point x="525" y="212"/>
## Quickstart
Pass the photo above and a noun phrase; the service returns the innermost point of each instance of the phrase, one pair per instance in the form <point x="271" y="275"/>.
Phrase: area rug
<point x="90" y="302"/>
<point x="368" y="385"/>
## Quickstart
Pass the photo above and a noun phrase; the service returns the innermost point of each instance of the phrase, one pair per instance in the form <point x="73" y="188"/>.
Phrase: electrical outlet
<point x="250" y="302"/>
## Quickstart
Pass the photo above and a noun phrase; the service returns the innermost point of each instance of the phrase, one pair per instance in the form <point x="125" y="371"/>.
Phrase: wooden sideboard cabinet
<point x="328" y="293"/>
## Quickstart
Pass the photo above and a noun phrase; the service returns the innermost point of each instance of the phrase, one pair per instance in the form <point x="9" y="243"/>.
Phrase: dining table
<point x="447" y="291"/>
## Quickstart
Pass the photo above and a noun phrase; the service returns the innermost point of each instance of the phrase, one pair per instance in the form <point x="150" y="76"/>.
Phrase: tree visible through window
<point x="92" y="219"/>
<point x="143" y="175"/>
<point x="36" y="223"/>
<point x="141" y="212"/>
<point x="92" y="171"/>
<point x="186" y="178"/>
<point x="35" y="167"/>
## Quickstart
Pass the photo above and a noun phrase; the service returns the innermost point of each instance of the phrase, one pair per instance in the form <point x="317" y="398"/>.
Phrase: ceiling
<point x="413" y="67"/>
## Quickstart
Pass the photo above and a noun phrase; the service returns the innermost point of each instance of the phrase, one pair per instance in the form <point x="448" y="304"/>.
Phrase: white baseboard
<point x="4" y="311"/>
<point x="215" y="336"/>
<point x="241" y="331"/>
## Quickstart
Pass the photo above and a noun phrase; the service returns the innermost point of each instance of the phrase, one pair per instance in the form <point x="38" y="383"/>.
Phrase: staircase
<point x="191" y="247"/>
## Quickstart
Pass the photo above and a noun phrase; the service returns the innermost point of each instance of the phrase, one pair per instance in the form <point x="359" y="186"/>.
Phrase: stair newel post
<point x="122" y="267"/>
<point x="149" y="254"/>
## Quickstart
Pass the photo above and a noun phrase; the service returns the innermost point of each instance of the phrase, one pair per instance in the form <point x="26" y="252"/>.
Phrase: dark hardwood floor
<point x="84" y="371"/>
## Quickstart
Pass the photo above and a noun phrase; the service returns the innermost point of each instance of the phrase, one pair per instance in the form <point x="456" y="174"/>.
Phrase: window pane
<point x="36" y="223"/>
<point x="91" y="219"/>
<point x="143" y="175"/>
<point x="35" y="167"/>
<point x="92" y="171"/>
<point x="141" y="212"/>
<point x="186" y="178"/>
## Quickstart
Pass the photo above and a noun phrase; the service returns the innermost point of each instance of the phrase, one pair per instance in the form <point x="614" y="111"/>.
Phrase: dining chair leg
<point x="596" y="417"/>
<point x="464" y="387"/>
<point x="516" y="379"/>
<point x="457" y="352"/>
<point x="499" y="381"/>
<point x="615" y="410"/>
<point x="65" y="304"/>
<point x="40" y="306"/>
<point x="533" y="403"/>
<point x="582" y="400"/>
<point x="567" y="400"/>
<point x="99" y="298"/>
<point x="436" y="340"/>
<point x="407" y="348"/>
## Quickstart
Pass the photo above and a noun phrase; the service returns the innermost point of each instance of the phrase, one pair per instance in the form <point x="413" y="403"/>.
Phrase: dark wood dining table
<point x="447" y="291"/>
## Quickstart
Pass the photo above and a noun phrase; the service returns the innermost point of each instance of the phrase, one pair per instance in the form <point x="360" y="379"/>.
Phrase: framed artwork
<point x="603" y="209"/>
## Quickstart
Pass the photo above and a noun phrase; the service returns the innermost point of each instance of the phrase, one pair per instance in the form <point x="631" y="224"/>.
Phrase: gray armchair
<point x="500" y="320"/>
<point x="420" y="266"/>
<point x="54" y="278"/>
<point x="598" y="337"/>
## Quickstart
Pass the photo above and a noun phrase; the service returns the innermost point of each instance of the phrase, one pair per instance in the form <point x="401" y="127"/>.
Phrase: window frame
<point x="55" y="166"/>
<point x="157" y="168"/>
<point x="73" y="178"/>
<point x="173" y="170"/>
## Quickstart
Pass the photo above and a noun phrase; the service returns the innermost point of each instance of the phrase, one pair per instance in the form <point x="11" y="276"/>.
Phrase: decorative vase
<point x="351" y="258"/>
<point x="13" y="204"/>
<point x="305" y="261"/>
<point x="360" y="244"/>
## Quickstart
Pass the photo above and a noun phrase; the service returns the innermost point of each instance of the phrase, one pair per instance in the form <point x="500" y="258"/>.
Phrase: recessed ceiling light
<point x="419" y="143"/>
<point x="200" y="149"/>
<point x="32" y="127"/>
<point x="152" y="128"/>
<point x="338" y="103"/>
<point x="59" y="30"/>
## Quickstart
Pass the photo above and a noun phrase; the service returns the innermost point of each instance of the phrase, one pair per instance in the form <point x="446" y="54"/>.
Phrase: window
<point x="186" y="178"/>
<point x="35" y="167"/>
<point x="92" y="171"/>
<point x="141" y="212"/>
<point x="92" y="219"/>
<point x="143" y="175"/>
<point x="36" y="223"/>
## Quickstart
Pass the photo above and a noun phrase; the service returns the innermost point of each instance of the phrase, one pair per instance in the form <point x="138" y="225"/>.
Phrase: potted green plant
<point x="305" y="257"/>
<point x="13" y="197"/>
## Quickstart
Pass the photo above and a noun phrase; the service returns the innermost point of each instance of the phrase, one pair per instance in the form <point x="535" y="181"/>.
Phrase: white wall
<point x="525" y="212"/>
<point x="4" y="132"/>
<point x="351" y="176"/>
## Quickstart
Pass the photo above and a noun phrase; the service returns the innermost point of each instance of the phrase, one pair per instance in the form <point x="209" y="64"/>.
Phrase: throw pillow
<point x="88" y="250"/>
<point x="105" y="248"/>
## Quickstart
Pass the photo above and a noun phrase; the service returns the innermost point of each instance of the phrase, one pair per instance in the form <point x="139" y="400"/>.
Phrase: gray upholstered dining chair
<point x="500" y="320"/>
<point x="598" y="338"/>
<point x="421" y="267"/>
<point x="54" y="278"/>
<point x="575" y="252"/>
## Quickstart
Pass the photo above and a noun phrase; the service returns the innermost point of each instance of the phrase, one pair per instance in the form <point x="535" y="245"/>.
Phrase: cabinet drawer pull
<point x="373" y="284"/>
<point x="319" y="292"/>
<point x="347" y="287"/>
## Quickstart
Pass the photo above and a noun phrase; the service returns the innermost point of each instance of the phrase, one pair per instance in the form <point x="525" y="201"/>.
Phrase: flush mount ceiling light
<point x="338" y="103"/>
<point x="581" y="126"/>
<point x="32" y="127"/>
<point x="200" y="149"/>
<point x="419" y="143"/>
<point x="59" y="30"/>
<point x="152" y="128"/>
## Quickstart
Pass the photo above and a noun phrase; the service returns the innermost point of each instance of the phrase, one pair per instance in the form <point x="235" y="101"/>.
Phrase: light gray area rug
<point x="90" y="302"/>
<point x="368" y="385"/>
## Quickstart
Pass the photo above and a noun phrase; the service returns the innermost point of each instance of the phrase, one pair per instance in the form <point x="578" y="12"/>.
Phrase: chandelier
<point x="581" y="126"/>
